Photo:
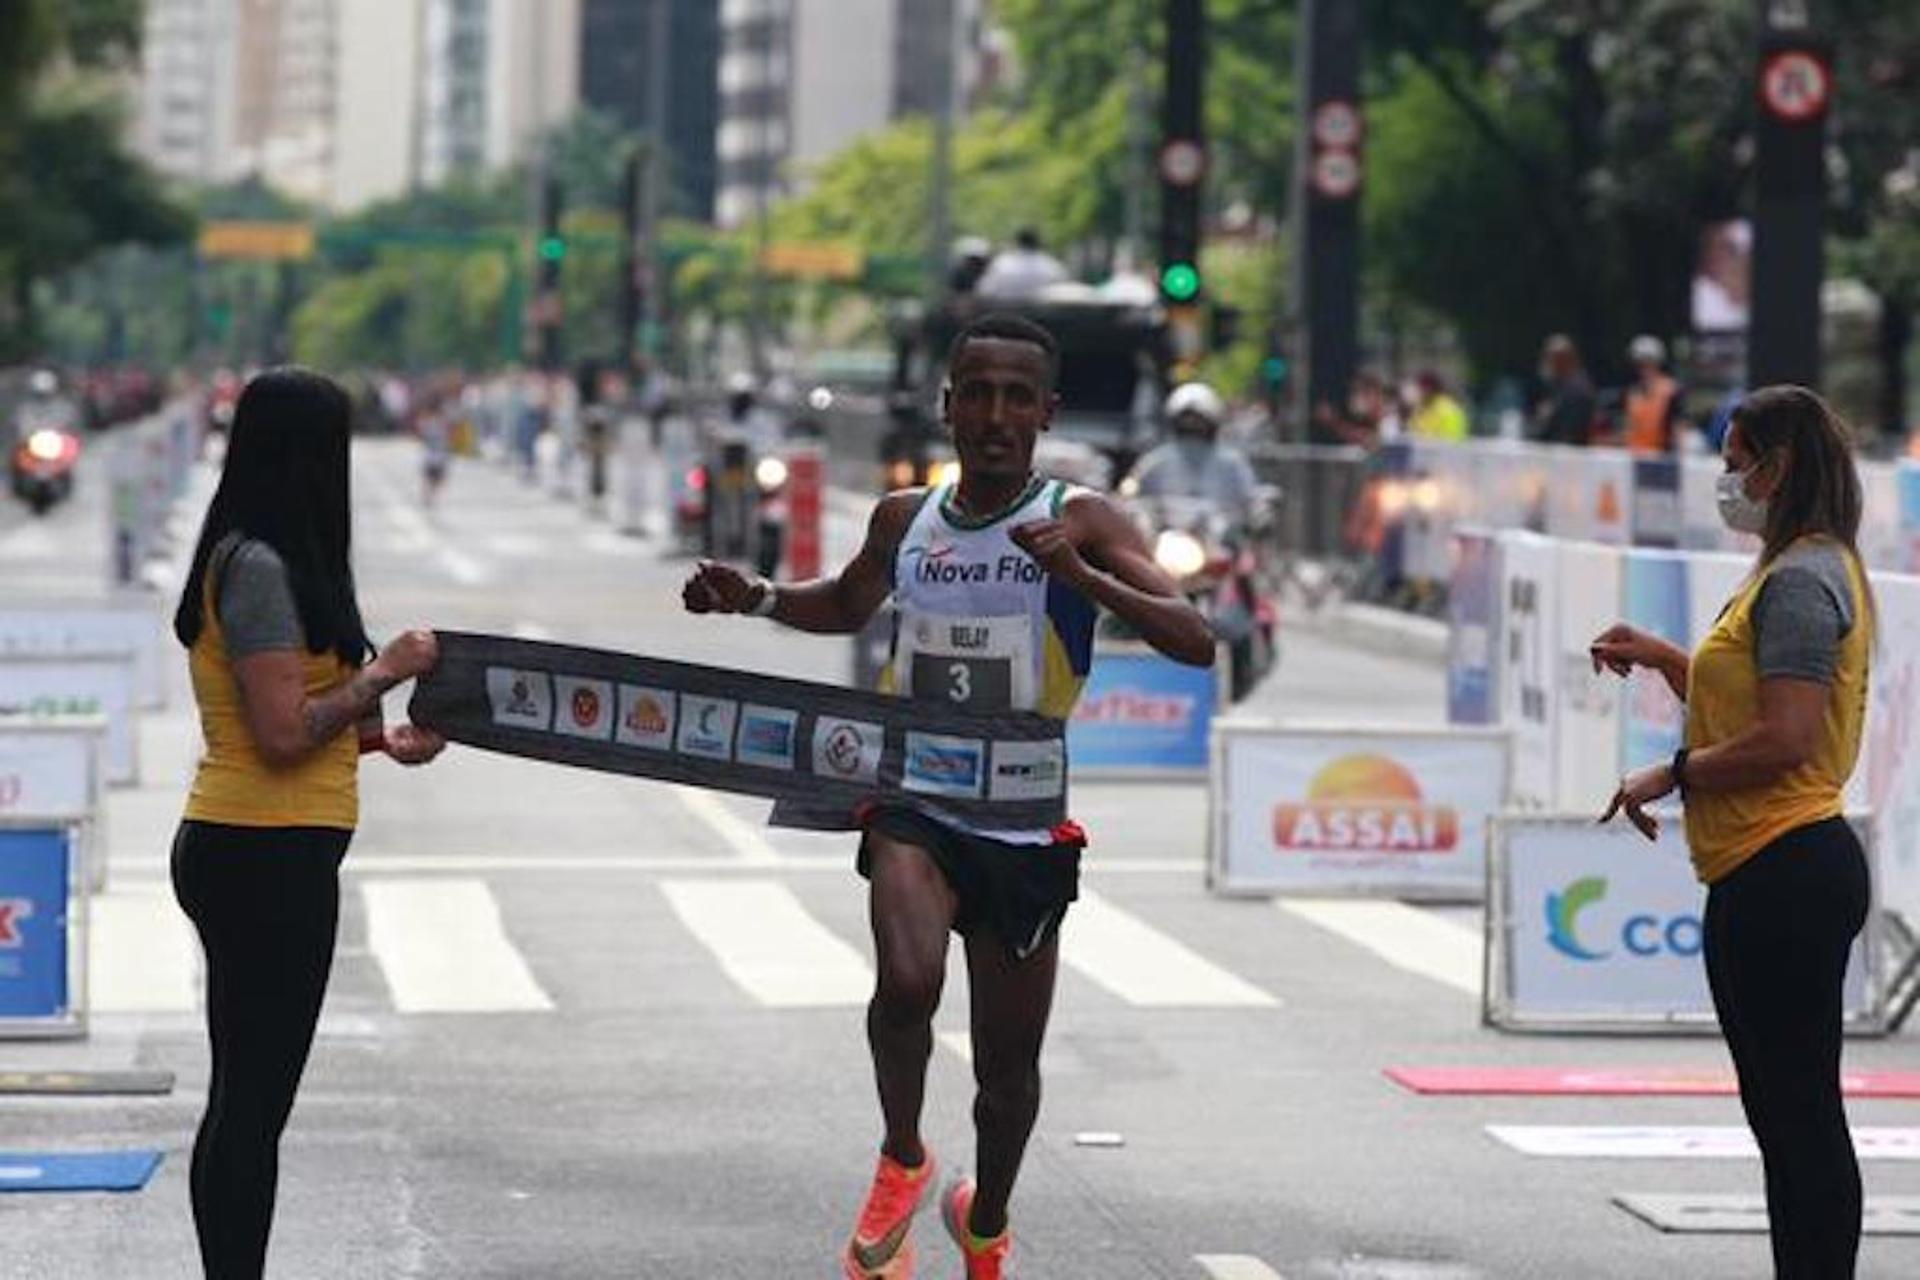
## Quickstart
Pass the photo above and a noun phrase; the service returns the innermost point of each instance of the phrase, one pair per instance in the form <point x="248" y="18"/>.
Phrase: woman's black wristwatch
<point x="1679" y="769"/>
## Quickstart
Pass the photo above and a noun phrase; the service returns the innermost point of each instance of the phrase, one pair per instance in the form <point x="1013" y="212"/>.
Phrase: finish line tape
<point x="830" y="752"/>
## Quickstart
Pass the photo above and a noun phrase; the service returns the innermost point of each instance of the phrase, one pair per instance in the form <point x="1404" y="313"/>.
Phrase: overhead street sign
<point x="814" y="260"/>
<point x="1337" y="125"/>
<point x="1183" y="162"/>
<point x="1336" y="174"/>
<point x="1795" y="85"/>
<point x="257" y="241"/>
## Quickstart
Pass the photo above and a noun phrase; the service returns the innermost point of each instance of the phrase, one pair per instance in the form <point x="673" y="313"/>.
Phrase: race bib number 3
<point x="978" y="664"/>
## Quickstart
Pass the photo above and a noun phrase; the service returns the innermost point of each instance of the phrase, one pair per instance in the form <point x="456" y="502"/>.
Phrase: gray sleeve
<point x="257" y="611"/>
<point x="1802" y="614"/>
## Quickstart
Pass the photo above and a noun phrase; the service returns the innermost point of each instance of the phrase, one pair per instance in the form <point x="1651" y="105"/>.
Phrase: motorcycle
<point x="42" y="467"/>
<point x="1219" y="568"/>
<point x="733" y="507"/>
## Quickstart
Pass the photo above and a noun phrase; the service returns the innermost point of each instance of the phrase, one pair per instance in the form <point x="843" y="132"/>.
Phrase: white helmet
<point x="1647" y="349"/>
<point x="741" y="383"/>
<point x="1196" y="397"/>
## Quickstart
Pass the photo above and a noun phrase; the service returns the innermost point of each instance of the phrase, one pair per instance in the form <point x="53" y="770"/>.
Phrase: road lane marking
<point x="414" y="533"/>
<point x="143" y="956"/>
<point x="1680" y="1142"/>
<point x="749" y="846"/>
<point x="769" y="944"/>
<point x="1145" y="967"/>
<point x="443" y="949"/>
<point x="1408" y="938"/>
<point x="1235" y="1266"/>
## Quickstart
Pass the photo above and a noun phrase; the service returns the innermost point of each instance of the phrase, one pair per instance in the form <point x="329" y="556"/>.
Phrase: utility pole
<point x="653" y="307"/>
<point x="1326" y="205"/>
<point x="1139" y="160"/>
<point x="940" y="180"/>
<point x="1183" y="172"/>
<point x="1794" y="84"/>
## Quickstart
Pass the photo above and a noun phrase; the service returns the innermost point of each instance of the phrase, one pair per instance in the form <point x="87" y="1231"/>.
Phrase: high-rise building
<point x="800" y="79"/>
<point x="616" y="58"/>
<point x="187" y="89"/>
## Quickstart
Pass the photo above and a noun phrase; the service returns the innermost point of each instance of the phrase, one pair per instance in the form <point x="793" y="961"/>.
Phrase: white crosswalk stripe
<point x="1235" y="1266"/>
<point x="769" y="944"/>
<point x="443" y="948"/>
<point x="1406" y="937"/>
<point x="142" y="956"/>
<point x="1145" y="967"/>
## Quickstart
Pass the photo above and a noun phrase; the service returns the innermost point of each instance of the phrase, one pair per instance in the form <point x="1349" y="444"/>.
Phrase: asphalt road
<point x="590" y="1027"/>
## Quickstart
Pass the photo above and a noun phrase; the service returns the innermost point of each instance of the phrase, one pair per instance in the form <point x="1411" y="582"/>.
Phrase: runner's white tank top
<point x="980" y="624"/>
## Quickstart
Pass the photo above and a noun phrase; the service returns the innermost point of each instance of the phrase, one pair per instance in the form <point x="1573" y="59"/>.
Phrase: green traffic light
<point x="1275" y="369"/>
<point x="553" y="248"/>
<point x="1180" y="282"/>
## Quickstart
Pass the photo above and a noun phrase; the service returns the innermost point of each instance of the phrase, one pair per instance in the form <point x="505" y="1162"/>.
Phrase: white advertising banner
<point x="1329" y="810"/>
<point x="79" y="685"/>
<point x="37" y="628"/>
<point x="49" y="768"/>
<point x="1591" y="927"/>
<point x="1591" y="498"/>
<point x="1530" y="640"/>
<point x="1590" y="706"/>
<point x="1892" y="755"/>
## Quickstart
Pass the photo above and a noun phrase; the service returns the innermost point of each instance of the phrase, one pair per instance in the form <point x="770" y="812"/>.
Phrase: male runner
<point x="998" y="581"/>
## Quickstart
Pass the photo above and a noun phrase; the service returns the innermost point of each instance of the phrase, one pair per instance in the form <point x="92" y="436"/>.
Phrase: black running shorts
<point x="1018" y="891"/>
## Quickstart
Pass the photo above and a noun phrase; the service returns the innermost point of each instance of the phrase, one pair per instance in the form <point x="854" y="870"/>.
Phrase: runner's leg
<point x="1011" y="1002"/>
<point x="912" y="908"/>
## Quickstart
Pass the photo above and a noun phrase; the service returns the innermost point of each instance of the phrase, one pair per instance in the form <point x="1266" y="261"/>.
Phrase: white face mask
<point x="1741" y="513"/>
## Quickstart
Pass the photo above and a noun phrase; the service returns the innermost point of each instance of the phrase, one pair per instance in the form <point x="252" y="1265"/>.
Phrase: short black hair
<point x="1004" y="326"/>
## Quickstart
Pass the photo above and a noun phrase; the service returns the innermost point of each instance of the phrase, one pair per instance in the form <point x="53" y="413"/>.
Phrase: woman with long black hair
<point x="1776" y="698"/>
<point x="283" y="674"/>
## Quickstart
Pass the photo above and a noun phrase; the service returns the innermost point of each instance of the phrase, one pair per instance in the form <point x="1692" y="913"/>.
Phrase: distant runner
<point x="998" y="582"/>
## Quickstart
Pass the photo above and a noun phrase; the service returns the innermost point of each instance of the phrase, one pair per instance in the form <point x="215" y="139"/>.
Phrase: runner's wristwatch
<point x="1679" y="771"/>
<point x="763" y="604"/>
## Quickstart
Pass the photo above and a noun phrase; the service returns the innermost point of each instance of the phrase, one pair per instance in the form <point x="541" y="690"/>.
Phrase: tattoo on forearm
<point x="330" y="714"/>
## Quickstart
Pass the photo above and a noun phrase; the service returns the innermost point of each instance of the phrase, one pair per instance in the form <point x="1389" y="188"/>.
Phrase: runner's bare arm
<point x="1098" y="550"/>
<point x="836" y="605"/>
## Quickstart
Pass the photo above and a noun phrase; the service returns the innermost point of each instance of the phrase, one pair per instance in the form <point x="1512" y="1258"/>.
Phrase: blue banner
<point x="1657" y="600"/>
<point x="1143" y="711"/>
<point x="33" y="922"/>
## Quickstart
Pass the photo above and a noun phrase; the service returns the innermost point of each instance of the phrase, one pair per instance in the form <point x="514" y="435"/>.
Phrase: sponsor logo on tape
<point x="767" y="736"/>
<point x="646" y="717"/>
<point x="520" y="699"/>
<point x="1028" y="770"/>
<point x="706" y="726"/>
<point x="12" y="912"/>
<point x="938" y="765"/>
<point x="585" y="707"/>
<point x="847" y="749"/>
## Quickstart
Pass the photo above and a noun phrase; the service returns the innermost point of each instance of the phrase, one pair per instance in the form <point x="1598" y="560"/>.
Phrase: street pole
<point x="1326" y="205"/>
<point x="1794" y="83"/>
<point x="654" y="185"/>
<point x="1140" y="160"/>
<point x="940" y="180"/>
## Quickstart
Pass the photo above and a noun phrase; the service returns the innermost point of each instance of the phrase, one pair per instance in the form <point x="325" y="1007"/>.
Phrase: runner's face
<point x="999" y="399"/>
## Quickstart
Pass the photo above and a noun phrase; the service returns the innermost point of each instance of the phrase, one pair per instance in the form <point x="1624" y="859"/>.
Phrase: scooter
<point x="42" y="467"/>
<point x="1219" y="569"/>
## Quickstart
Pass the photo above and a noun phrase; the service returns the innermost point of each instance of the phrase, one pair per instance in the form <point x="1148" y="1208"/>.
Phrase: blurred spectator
<point x="968" y="263"/>
<point x="1022" y="271"/>
<point x="1370" y="415"/>
<point x="1436" y="415"/>
<point x="1652" y="409"/>
<point x="1564" y="413"/>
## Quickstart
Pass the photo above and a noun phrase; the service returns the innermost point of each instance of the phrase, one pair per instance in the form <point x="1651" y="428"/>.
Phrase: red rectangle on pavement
<point x="1623" y="1081"/>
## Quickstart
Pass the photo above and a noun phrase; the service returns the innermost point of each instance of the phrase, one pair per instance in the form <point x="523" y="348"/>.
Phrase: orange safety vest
<point x="1649" y="414"/>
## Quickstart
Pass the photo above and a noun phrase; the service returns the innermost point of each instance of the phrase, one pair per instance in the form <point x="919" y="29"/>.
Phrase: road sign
<point x="257" y="241"/>
<point x="1337" y="125"/>
<point x="1183" y="162"/>
<point x="1795" y="85"/>
<point x="1336" y="174"/>
<point x="814" y="260"/>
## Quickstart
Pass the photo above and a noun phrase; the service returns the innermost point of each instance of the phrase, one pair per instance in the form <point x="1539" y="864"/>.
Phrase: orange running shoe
<point x="881" y="1248"/>
<point x="986" y="1259"/>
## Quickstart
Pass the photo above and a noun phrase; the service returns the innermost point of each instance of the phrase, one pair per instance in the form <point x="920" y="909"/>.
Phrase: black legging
<point x="1778" y="932"/>
<point x="266" y="901"/>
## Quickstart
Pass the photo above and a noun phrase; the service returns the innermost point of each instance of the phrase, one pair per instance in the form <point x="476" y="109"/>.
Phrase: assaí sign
<point x="1365" y="804"/>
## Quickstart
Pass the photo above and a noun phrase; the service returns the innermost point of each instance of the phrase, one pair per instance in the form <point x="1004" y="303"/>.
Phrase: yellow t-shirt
<point x="233" y="785"/>
<point x="1442" y="418"/>
<point x="1725" y="828"/>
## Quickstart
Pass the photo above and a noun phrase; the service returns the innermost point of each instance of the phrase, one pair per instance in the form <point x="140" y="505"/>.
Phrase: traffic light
<point x="1183" y="153"/>
<point x="1180" y="282"/>
<point x="550" y="249"/>
<point x="553" y="249"/>
<point x="1274" y="370"/>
